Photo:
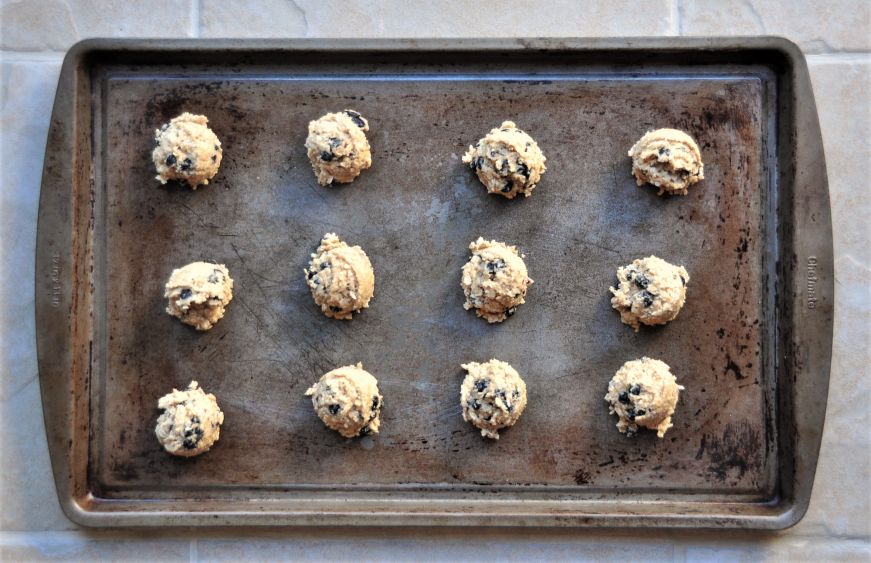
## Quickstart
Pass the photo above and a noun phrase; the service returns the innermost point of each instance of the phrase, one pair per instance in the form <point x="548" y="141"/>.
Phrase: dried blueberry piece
<point x="478" y="163"/>
<point x="335" y="142"/>
<point x="480" y="385"/>
<point x="170" y="160"/>
<point x="186" y="165"/>
<point x="515" y="394"/>
<point x="217" y="147"/>
<point x="474" y="404"/>
<point x="325" y="265"/>
<point x="364" y="431"/>
<point x="334" y="409"/>
<point x="195" y="420"/>
<point x="640" y="412"/>
<point x="356" y="118"/>
<point x="214" y="158"/>
<point x="216" y="276"/>
<point x="493" y="266"/>
<point x="311" y="274"/>
<point x="523" y="169"/>
<point x="623" y="398"/>
<point x="648" y="298"/>
<point x="682" y="280"/>
<point x="635" y="389"/>
<point x="191" y="438"/>
<point x="507" y="187"/>
<point x="375" y="402"/>
<point x="326" y="156"/>
<point x="630" y="413"/>
<point x="510" y="312"/>
<point x="185" y="293"/>
<point x="664" y="151"/>
<point x="629" y="274"/>
<point x="503" y="166"/>
<point x="641" y="280"/>
<point x="335" y="309"/>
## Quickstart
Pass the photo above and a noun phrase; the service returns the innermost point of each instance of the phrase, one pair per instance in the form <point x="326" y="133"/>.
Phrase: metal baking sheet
<point x="752" y="345"/>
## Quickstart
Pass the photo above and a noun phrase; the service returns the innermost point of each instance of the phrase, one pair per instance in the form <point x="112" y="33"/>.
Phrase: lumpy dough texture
<point x="494" y="280"/>
<point x="337" y="146"/>
<point x="669" y="159"/>
<point x="190" y="423"/>
<point x="340" y="277"/>
<point x="186" y="150"/>
<point x="643" y="393"/>
<point x="198" y="293"/>
<point x="649" y="291"/>
<point x="347" y="400"/>
<point x="507" y="161"/>
<point x="493" y="396"/>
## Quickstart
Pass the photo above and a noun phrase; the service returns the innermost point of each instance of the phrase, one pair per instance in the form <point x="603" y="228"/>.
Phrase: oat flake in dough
<point x="347" y="400"/>
<point x="649" y="291"/>
<point x="493" y="396"/>
<point x="340" y="277"/>
<point x="337" y="146"/>
<point x="198" y="293"/>
<point x="643" y="393"/>
<point x="507" y="161"/>
<point x="669" y="159"/>
<point x="190" y="423"/>
<point x="494" y="280"/>
<point x="187" y="150"/>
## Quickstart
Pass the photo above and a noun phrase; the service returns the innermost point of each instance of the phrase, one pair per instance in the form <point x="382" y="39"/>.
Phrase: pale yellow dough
<point x="493" y="396"/>
<point x="190" y="423"/>
<point x="348" y="401"/>
<point x="337" y="147"/>
<point x="186" y="150"/>
<point x="669" y="159"/>
<point x="649" y="291"/>
<point x="643" y="393"/>
<point x="198" y="293"/>
<point x="507" y="161"/>
<point x="340" y="277"/>
<point x="494" y="280"/>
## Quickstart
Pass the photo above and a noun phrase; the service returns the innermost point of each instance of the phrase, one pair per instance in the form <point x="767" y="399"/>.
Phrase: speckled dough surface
<point x="649" y="291"/>
<point x="669" y="159"/>
<point x="340" y="277"/>
<point x="190" y="423"/>
<point x="198" y="293"/>
<point x="493" y="396"/>
<point x="186" y="150"/>
<point x="507" y="161"/>
<point x="337" y="146"/>
<point x="348" y="401"/>
<point x="643" y="393"/>
<point x="494" y="280"/>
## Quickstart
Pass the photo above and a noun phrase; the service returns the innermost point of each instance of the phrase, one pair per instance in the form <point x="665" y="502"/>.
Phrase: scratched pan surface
<point x="414" y="213"/>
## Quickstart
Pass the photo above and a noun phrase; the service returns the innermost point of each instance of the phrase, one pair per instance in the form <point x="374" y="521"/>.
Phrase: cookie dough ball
<point x="337" y="147"/>
<point x="643" y="393"/>
<point x="190" y="423"/>
<point x="492" y="395"/>
<point x="340" y="277"/>
<point x="186" y="150"/>
<point x="494" y="280"/>
<point x="347" y="400"/>
<point x="649" y="291"/>
<point x="669" y="159"/>
<point x="507" y="161"/>
<point x="198" y="293"/>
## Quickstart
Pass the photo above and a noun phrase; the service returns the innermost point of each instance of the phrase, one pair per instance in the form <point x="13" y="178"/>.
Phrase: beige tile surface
<point x="33" y="34"/>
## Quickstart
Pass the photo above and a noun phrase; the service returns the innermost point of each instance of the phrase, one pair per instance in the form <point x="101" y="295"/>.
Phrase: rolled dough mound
<point x="643" y="393"/>
<point x="190" y="423"/>
<point x="337" y="146"/>
<point x="340" y="277"/>
<point x="507" y="161"/>
<point x="494" y="280"/>
<point x="649" y="291"/>
<point x="198" y="293"/>
<point x="186" y="150"/>
<point x="347" y="400"/>
<point x="493" y="396"/>
<point x="669" y="159"/>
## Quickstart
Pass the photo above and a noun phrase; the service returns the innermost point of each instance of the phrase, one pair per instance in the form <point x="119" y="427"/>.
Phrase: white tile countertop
<point x="835" y="36"/>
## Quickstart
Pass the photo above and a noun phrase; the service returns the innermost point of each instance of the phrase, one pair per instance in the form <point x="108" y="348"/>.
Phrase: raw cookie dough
<point x="347" y="400"/>
<point x="649" y="291"/>
<point x="507" y="161"/>
<point x="340" y="278"/>
<point x="669" y="159"/>
<point x="190" y="423"/>
<point x="492" y="395"/>
<point x="337" y="146"/>
<point x="186" y="150"/>
<point x="643" y="393"/>
<point x="198" y="293"/>
<point x="494" y="280"/>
